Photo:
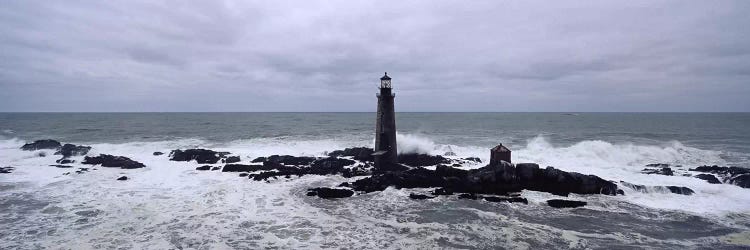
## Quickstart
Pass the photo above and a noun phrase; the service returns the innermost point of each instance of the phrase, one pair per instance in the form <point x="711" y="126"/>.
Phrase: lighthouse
<point x="385" y="127"/>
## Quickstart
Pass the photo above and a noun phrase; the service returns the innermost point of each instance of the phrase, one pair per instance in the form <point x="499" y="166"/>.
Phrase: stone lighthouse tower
<point x="385" y="129"/>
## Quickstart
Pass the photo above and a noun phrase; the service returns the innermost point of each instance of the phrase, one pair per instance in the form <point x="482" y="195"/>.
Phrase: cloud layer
<point x="328" y="55"/>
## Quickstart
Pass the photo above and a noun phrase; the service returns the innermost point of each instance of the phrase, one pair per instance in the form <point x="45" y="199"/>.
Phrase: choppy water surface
<point x="170" y="205"/>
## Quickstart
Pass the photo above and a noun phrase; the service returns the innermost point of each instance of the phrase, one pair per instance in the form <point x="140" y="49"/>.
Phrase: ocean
<point x="170" y="205"/>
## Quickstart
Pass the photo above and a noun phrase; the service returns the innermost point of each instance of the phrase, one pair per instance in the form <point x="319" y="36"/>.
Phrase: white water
<point x="207" y="203"/>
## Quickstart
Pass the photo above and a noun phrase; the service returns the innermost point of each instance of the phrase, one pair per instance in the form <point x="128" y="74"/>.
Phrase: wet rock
<point x="732" y="175"/>
<point x="360" y="170"/>
<point x="202" y="156"/>
<point x="565" y="203"/>
<point x="658" y="165"/>
<point x="469" y="196"/>
<point x="41" y="154"/>
<point x="422" y="160"/>
<point x="6" y="170"/>
<point x="419" y="196"/>
<point x="244" y="174"/>
<point x="112" y="161"/>
<point x="658" y="189"/>
<point x="215" y="168"/>
<point x="203" y="168"/>
<point x="661" y="171"/>
<point x="500" y="178"/>
<point x="709" y="178"/>
<point x="330" y="165"/>
<point x="69" y="150"/>
<point x="122" y="178"/>
<point x="358" y="153"/>
<point x="442" y="191"/>
<point x="61" y="166"/>
<point x="41" y="144"/>
<point x="286" y="160"/>
<point x="65" y="161"/>
<point x="742" y="181"/>
<point x="508" y="199"/>
<point x="245" y="168"/>
<point x="331" y="193"/>
<point x="233" y="159"/>
<point x="157" y="153"/>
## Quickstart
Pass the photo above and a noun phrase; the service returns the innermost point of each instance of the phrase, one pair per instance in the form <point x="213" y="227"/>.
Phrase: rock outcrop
<point x="204" y="168"/>
<point x="661" y="171"/>
<point x="565" y="203"/>
<point x="6" y="170"/>
<point x="733" y="175"/>
<point x="41" y="144"/>
<point x="112" y="161"/>
<point x="122" y="178"/>
<point x="330" y="193"/>
<point x="659" y="189"/>
<point x="499" y="178"/>
<point x="69" y="150"/>
<point x="286" y="160"/>
<point x="357" y="153"/>
<point x="232" y="159"/>
<point x="709" y="178"/>
<point x="422" y="160"/>
<point x="202" y="156"/>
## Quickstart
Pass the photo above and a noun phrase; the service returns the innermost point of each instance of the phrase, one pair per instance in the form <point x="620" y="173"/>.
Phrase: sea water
<point x="170" y="205"/>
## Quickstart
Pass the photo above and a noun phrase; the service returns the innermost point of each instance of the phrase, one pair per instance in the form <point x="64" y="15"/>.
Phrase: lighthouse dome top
<point x="385" y="77"/>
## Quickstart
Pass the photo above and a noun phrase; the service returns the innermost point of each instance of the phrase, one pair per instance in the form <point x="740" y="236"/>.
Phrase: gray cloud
<point x="328" y="55"/>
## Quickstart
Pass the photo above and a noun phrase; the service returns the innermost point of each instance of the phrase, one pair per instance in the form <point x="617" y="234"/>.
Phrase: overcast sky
<point x="329" y="55"/>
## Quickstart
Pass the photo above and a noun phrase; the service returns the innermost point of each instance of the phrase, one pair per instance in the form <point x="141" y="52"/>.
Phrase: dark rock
<point x="215" y="168"/>
<point x="709" y="178"/>
<point x="742" y="181"/>
<point x="419" y="196"/>
<point x="233" y="159"/>
<point x="122" y="178"/>
<point x="202" y="156"/>
<point x="358" y="153"/>
<point x="732" y="175"/>
<point x="421" y="160"/>
<point x="722" y="170"/>
<point x="244" y="174"/>
<point x="312" y="193"/>
<point x="449" y="153"/>
<point x="659" y="189"/>
<point x="661" y="171"/>
<point x="442" y="191"/>
<point x="61" y="166"/>
<point x="565" y="203"/>
<point x="157" y="153"/>
<point x="503" y="199"/>
<point x="680" y="190"/>
<point x="245" y="168"/>
<point x="69" y="150"/>
<point x="329" y="193"/>
<point x="329" y="165"/>
<point x="41" y="154"/>
<point x="469" y="196"/>
<point x="658" y="165"/>
<point x="204" y="167"/>
<point x="65" y="161"/>
<point x="112" y="161"/>
<point x="500" y="179"/>
<point x="41" y="144"/>
<point x="6" y="170"/>
<point x="286" y="160"/>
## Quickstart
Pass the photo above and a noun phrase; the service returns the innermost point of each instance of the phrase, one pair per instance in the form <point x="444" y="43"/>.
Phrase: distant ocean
<point x="170" y="205"/>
